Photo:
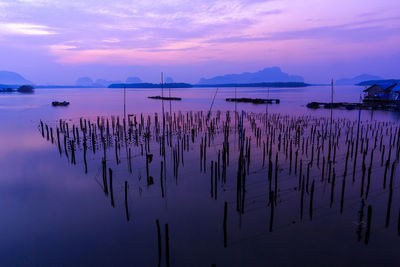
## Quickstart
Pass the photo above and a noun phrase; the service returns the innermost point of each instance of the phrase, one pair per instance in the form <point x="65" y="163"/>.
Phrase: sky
<point x="58" y="41"/>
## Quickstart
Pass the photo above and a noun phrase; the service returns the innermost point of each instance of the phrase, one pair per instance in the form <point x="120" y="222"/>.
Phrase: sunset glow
<point x="191" y="36"/>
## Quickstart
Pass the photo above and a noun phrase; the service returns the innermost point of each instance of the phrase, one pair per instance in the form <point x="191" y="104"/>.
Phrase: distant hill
<point x="84" y="81"/>
<point x="62" y="86"/>
<point x="273" y="74"/>
<point x="265" y="85"/>
<point x="150" y="85"/>
<point x="384" y="82"/>
<point x="5" y="86"/>
<point x="357" y="79"/>
<point x="133" y="80"/>
<point x="9" y="77"/>
<point x="186" y="85"/>
<point x="169" y="80"/>
<point x="104" y="83"/>
<point x="87" y="82"/>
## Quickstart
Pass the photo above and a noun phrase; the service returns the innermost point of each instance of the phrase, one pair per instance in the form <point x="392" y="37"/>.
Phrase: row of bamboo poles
<point x="296" y="157"/>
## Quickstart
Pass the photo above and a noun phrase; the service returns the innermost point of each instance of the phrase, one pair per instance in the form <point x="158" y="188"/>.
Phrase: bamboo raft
<point x="254" y="100"/>
<point x="351" y="106"/>
<point x="165" y="98"/>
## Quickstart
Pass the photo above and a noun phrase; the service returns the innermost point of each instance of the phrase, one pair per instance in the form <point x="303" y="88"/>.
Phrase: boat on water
<point x="57" y="103"/>
<point x="313" y="105"/>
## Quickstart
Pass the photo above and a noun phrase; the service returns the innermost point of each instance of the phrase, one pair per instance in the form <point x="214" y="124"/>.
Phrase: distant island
<point x="12" y="78"/>
<point x="372" y="82"/>
<point x="357" y="79"/>
<point x="65" y="86"/>
<point x="262" y="84"/>
<point x="87" y="82"/>
<point x="187" y="85"/>
<point x="150" y="85"/>
<point x="131" y="82"/>
<point x="267" y="75"/>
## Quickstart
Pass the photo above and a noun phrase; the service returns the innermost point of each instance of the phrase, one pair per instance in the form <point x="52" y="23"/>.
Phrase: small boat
<point x="313" y="105"/>
<point x="63" y="104"/>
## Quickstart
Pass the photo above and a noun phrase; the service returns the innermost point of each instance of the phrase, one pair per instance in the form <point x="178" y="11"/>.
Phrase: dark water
<point x="53" y="214"/>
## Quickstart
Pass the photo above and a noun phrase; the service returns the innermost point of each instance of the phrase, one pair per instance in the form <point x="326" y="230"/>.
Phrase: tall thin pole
<point x="266" y="110"/>
<point x="212" y="103"/>
<point x="170" y="105"/>
<point x="236" y="123"/>
<point x="125" y="102"/>
<point x="241" y="133"/>
<point x="358" y="133"/>
<point x="331" y="103"/>
<point x="162" y="98"/>
<point x="330" y="127"/>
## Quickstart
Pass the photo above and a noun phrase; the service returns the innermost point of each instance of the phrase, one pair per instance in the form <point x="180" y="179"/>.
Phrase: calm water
<point x="53" y="214"/>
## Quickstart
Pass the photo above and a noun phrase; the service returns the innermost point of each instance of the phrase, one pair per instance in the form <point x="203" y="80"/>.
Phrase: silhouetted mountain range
<point x="99" y="83"/>
<point x="187" y="85"/>
<point x="150" y="85"/>
<point x="12" y="78"/>
<point x="273" y="74"/>
<point x="268" y="77"/>
<point x="84" y="81"/>
<point x="357" y="79"/>
<point x="104" y="83"/>
<point x="169" y="80"/>
<point x="133" y="80"/>
<point x="381" y="82"/>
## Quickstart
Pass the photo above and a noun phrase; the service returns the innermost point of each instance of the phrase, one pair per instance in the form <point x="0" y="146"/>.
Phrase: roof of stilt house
<point x="395" y="87"/>
<point x="375" y="86"/>
<point x="385" y="88"/>
<point x="389" y="89"/>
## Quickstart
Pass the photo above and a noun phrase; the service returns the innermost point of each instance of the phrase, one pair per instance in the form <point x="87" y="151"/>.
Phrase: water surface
<point x="54" y="214"/>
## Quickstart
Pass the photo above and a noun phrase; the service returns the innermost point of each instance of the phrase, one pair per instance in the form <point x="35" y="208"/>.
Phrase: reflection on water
<point x="83" y="186"/>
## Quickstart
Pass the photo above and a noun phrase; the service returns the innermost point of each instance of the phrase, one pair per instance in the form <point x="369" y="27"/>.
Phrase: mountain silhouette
<point x="104" y="83"/>
<point x="9" y="77"/>
<point x="84" y="81"/>
<point x="133" y="80"/>
<point x="357" y="79"/>
<point x="169" y="80"/>
<point x="273" y="74"/>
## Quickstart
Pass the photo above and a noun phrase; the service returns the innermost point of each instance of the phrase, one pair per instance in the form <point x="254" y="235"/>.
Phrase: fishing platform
<point x="254" y="100"/>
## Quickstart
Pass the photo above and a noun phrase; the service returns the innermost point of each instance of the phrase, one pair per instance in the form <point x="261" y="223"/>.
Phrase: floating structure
<point x="254" y="100"/>
<point x="63" y="104"/>
<point x="7" y="90"/>
<point x="376" y="97"/>
<point x="376" y="93"/>
<point x="26" y="89"/>
<point x="351" y="106"/>
<point x="165" y="98"/>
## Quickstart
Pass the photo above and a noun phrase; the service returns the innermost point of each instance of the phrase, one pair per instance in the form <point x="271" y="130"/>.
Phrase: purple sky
<point x="57" y="41"/>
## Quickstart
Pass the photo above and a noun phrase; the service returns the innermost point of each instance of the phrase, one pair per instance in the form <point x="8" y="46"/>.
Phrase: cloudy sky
<point x="57" y="41"/>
